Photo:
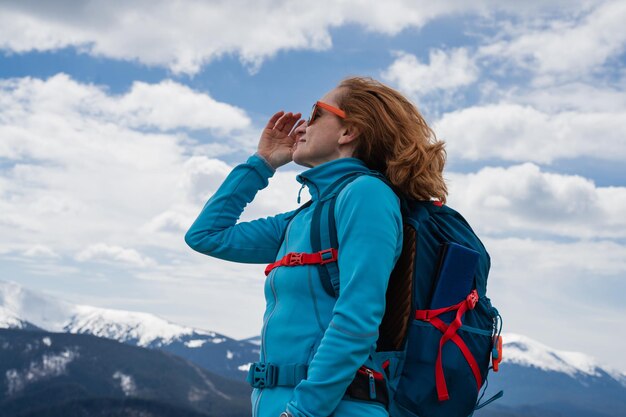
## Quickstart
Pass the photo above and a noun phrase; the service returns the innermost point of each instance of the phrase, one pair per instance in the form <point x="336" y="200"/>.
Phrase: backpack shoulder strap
<point x="324" y="229"/>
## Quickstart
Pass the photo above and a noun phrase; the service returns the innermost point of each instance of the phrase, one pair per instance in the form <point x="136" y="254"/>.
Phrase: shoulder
<point x="370" y="191"/>
<point x="368" y="186"/>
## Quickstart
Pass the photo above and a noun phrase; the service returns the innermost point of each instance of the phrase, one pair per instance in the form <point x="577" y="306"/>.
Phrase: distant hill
<point x="59" y="374"/>
<point x="26" y="309"/>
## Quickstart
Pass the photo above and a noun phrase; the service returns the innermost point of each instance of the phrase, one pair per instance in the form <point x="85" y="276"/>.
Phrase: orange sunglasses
<point x="314" y="113"/>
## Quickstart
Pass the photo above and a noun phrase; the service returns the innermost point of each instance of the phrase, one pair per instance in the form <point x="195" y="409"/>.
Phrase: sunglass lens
<point x="313" y="115"/>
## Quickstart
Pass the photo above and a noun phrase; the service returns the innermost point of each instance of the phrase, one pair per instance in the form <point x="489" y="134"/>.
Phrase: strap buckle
<point x="262" y="375"/>
<point x="472" y="299"/>
<point x="328" y="256"/>
<point x="295" y="258"/>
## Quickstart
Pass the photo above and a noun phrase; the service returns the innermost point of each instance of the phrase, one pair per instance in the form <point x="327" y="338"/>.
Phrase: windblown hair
<point x="394" y="138"/>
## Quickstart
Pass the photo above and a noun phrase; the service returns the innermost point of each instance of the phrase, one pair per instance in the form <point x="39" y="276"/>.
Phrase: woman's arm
<point x="216" y="232"/>
<point x="369" y="231"/>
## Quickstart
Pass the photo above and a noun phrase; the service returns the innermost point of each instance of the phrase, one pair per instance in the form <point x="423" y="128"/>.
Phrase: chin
<point x="301" y="161"/>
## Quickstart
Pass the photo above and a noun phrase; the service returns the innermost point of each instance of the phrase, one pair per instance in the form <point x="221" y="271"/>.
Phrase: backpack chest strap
<point x="300" y="258"/>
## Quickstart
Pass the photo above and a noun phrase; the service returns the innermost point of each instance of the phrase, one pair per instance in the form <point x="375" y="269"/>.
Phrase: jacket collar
<point x="318" y="178"/>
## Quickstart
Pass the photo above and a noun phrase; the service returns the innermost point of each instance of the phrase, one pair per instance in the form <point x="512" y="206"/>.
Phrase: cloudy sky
<point x="118" y="120"/>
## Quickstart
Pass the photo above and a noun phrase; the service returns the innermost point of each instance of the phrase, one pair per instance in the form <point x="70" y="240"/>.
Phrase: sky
<point x="119" y="119"/>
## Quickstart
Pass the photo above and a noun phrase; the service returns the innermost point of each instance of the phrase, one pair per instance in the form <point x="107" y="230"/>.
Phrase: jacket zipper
<point x="271" y="278"/>
<point x="263" y="351"/>
<point x="308" y="183"/>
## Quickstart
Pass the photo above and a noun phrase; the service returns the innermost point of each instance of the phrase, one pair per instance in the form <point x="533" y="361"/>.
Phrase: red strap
<point x="300" y="258"/>
<point x="440" y="381"/>
<point x="450" y="333"/>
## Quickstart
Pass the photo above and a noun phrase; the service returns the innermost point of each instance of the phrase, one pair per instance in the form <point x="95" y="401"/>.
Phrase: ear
<point x="349" y="135"/>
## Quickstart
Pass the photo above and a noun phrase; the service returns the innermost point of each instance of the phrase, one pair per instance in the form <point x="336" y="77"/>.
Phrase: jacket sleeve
<point x="216" y="231"/>
<point x="369" y="231"/>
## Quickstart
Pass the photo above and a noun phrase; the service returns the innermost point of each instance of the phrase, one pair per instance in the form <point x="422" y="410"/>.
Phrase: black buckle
<point x="262" y="375"/>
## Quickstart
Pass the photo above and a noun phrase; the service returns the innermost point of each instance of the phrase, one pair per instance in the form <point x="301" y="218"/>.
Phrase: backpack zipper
<point x="372" y="377"/>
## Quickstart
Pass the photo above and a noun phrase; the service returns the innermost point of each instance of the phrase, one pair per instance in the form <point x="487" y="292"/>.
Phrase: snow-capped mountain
<point x="541" y="381"/>
<point x="523" y="351"/>
<point x="22" y="308"/>
<point x="23" y="305"/>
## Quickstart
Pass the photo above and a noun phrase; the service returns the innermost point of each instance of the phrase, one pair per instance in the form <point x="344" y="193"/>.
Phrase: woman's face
<point x="322" y="140"/>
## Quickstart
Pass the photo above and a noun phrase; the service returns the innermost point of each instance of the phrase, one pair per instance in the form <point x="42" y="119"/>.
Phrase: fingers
<point x="295" y="118"/>
<point x="286" y="122"/>
<point x="296" y="126"/>
<point x="272" y="122"/>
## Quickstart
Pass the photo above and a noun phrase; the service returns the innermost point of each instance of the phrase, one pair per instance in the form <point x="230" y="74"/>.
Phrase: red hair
<point x="394" y="138"/>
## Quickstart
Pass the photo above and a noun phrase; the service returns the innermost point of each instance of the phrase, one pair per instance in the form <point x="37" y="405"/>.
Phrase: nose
<point x="301" y="130"/>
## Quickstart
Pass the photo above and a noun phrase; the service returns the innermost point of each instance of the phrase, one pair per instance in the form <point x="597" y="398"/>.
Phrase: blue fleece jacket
<point x="302" y="323"/>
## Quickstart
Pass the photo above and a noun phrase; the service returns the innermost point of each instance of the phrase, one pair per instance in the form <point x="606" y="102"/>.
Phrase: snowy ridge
<point x="9" y="320"/>
<point x="143" y="328"/>
<point x="18" y="304"/>
<point x="524" y="351"/>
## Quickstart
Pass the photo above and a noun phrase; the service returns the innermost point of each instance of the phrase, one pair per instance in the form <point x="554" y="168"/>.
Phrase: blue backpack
<point x="435" y="357"/>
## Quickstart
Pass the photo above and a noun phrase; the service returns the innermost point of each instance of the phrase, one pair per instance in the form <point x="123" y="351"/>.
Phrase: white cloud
<point x="579" y="97"/>
<point x="84" y="182"/>
<point x="101" y="252"/>
<point x="184" y="35"/>
<point x="541" y="286"/>
<point x="169" y="105"/>
<point x="515" y="132"/>
<point x="81" y="170"/>
<point x="447" y="70"/>
<point x="562" y="261"/>
<point x="39" y="251"/>
<point x="170" y="221"/>
<point x="204" y="175"/>
<point x="523" y="200"/>
<point x="566" y="48"/>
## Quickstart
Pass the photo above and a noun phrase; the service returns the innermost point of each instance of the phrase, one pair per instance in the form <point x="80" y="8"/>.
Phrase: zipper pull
<point x="299" y="192"/>
<point x="370" y="374"/>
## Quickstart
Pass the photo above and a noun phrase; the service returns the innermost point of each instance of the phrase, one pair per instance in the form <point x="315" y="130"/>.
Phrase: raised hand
<point x="277" y="139"/>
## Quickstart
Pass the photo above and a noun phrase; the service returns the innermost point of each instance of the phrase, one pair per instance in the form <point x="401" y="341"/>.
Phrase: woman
<point x="317" y="343"/>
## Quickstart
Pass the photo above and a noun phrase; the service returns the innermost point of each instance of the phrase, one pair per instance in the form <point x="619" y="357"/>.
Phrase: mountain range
<point x="21" y="308"/>
<point x="58" y="372"/>
<point x="536" y="379"/>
